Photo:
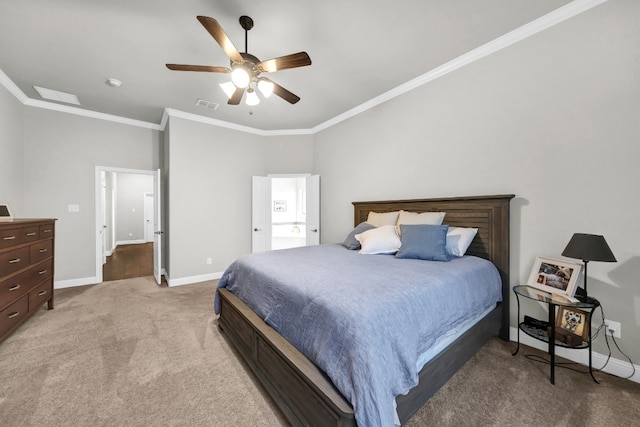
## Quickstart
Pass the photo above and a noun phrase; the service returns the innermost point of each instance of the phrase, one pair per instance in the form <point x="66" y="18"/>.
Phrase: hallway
<point x="129" y="261"/>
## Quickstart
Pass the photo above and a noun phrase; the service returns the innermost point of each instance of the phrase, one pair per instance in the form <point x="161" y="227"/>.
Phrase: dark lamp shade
<point x="589" y="247"/>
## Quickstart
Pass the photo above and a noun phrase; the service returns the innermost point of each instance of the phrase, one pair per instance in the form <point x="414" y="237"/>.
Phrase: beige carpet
<point x="130" y="353"/>
<point x="127" y="353"/>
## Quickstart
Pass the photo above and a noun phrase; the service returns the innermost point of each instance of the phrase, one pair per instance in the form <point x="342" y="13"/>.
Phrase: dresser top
<point x="23" y="221"/>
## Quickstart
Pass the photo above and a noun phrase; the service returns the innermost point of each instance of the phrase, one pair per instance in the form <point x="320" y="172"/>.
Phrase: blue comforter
<point x="362" y="319"/>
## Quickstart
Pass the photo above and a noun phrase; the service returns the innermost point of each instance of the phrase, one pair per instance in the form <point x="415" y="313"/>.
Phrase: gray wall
<point x="61" y="152"/>
<point x="553" y="119"/>
<point x="209" y="189"/>
<point x="288" y="154"/>
<point x="11" y="152"/>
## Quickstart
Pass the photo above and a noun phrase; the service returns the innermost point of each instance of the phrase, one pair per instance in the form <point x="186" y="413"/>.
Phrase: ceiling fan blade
<point x="216" y="31"/>
<point x="300" y="59"/>
<point x="236" y="97"/>
<point x="204" y="68"/>
<point x="283" y="93"/>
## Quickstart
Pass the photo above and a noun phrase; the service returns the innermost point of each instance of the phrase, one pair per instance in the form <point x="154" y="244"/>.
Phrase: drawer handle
<point x="13" y="261"/>
<point x="10" y="238"/>
<point x="41" y="293"/>
<point x="14" y="288"/>
<point x="43" y="250"/>
<point x="46" y="231"/>
<point x="31" y="234"/>
<point x="42" y="272"/>
<point x="14" y="314"/>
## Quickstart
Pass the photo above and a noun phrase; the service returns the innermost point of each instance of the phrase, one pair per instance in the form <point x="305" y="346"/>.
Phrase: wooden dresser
<point x="26" y="270"/>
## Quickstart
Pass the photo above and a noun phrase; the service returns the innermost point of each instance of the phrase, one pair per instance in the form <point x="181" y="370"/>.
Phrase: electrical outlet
<point x="613" y="328"/>
<point x="209" y="261"/>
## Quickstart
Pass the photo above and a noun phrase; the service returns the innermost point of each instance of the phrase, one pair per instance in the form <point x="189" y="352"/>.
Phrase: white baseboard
<point x="193" y="279"/>
<point x="60" y="284"/>
<point x="129" y="242"/>
<point x="617" y="367"/>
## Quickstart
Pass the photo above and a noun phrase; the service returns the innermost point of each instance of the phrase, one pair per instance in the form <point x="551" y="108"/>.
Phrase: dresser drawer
<point x="46" y="231"/>
<point x="40" y="294"/>
<point x="41" y="250"/>
<point x="41" y="271"/>
<point x="29" y="234"/>
<point x="14" y="314"/>
<point x="9" y="237"/>
<point x="14" y="260"/>
<point x="14" y="288"/>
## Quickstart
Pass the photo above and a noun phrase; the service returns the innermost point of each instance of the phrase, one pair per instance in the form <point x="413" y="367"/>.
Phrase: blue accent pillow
<point x="350" y="242"/>
<point x="423" y="241"/>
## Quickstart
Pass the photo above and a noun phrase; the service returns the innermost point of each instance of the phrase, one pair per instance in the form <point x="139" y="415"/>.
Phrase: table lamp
<point x="588" y="247"/>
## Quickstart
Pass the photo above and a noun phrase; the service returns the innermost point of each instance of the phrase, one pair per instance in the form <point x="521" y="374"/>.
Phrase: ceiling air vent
<point x="207" y="104"/>
<point x="55" y="95"/>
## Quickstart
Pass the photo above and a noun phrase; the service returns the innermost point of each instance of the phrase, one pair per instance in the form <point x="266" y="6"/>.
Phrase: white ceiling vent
<point x="207" y="104"/>
<point x="55" y="95"/>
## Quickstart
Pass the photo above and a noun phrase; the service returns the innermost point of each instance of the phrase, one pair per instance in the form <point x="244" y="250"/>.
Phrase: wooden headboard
<point x="489" y="214"/>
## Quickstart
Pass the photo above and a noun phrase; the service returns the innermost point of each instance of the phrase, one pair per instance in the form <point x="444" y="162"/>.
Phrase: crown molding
<point x="170" y="112"/>
<point x="88" y="113"/>
<point x="555" y="17"/>
<point x="12" y="87"/>
<point x="534" y="27"/>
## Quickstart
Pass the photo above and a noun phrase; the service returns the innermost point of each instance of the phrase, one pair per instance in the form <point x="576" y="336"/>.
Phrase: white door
<point x="157" y="230"/>
<point x="149" y="210"/>
<point x="103" y="216"/>
<point x="313" y="210"/>
<point x="260" y="214"/>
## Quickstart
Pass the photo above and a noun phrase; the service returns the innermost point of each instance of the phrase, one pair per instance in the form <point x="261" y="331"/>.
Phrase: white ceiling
<point x="360" y="49"/>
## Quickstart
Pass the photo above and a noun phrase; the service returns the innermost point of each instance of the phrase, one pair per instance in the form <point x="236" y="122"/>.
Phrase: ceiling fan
<point x="246" y="69"/>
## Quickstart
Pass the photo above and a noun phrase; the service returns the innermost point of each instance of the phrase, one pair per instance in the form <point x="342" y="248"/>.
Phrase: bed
<point x="304" y="392"/>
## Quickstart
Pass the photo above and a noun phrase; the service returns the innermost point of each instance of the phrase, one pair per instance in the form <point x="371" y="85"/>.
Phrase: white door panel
<point x="313" y="210"/>
<point x="157" y="229"/>
<point x="261" y="214"/>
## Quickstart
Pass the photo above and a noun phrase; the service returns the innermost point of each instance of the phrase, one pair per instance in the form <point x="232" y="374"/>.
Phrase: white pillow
<point x="381" y="240"/>
<point x="459" y="239"/>
<point x="422" y="218"/>
<point x="430" y="218"/>
<point x="378" y="219"/>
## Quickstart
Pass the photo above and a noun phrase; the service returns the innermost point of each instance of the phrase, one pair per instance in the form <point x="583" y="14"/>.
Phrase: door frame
<point x="99" y="208"/>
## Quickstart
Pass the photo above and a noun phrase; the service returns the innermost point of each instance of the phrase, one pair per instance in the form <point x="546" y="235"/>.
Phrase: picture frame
<point x="555" y="276"/>
<point x="573" y="321"/>
<point x="279" y="205"/>
<point x="5" y="213"/>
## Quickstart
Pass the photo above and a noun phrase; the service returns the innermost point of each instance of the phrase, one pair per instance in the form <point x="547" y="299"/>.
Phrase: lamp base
<point x="581" y="295"/>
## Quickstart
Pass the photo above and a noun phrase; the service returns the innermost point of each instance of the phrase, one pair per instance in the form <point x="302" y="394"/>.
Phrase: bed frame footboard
<point x="301" y="390"/>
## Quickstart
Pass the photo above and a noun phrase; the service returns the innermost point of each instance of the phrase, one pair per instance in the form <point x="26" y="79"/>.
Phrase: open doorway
<point x="127" y="223"/>
<point x="285" y="211"/>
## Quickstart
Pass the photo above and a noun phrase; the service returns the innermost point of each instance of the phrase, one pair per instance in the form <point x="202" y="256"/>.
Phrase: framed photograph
<point x="573" y="321"/>
<point x="555" y="276"/>
<point x="279" y="205"/>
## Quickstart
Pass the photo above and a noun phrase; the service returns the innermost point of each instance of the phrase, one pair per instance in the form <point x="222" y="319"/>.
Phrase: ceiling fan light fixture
<point x="245" y="68"/>
<point x="265" y="87"/>
<point x="252" y="97"/>
<point x="240" y="77"/>
<point x="228" y="88"/>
